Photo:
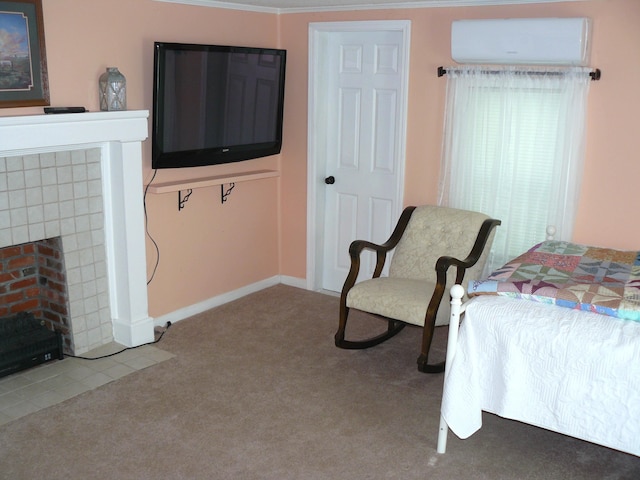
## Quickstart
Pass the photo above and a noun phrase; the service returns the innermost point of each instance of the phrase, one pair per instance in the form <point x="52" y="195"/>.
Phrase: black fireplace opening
<point x="26" y="342"/>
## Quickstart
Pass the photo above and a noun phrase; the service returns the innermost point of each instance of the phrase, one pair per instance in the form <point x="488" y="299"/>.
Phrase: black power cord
<point x="124" y="349"/>
<point x="146" y="227"/>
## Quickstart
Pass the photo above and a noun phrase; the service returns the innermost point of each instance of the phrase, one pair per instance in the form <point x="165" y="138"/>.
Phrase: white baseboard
<point x="294" y="282"/>
<point x="205" y="305"/>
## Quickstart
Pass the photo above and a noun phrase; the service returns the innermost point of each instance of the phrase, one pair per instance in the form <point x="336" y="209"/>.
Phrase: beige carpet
<point x="257" y="390"/>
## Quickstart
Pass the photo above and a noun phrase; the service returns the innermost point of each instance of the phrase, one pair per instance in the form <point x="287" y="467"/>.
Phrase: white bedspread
<point x="572" y="372"/>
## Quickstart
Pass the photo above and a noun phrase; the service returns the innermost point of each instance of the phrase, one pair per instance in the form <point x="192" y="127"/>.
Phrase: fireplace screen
<point x="25" y="342"/>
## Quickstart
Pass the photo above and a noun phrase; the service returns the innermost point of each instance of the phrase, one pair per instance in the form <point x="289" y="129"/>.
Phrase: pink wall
<point x="208" y="249"/>
<point x="608" y="196"/>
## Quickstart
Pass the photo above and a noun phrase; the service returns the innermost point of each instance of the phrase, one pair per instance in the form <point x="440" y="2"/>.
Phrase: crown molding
<point x="227" y="5"/>
<point x="351" y="7"/>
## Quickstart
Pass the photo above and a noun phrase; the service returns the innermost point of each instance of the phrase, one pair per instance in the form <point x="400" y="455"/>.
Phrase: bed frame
<point x="457" y="309"/>
<point x="585" y="384"/>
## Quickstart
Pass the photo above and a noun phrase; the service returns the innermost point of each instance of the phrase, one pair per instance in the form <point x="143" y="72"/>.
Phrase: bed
<point x="552" y="339"/>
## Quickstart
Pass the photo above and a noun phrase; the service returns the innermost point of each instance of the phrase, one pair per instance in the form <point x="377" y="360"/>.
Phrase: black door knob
<point x="330" y="180"/>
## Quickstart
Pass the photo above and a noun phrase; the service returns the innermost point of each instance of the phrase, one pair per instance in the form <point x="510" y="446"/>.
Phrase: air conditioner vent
<point x="533" y="41"/>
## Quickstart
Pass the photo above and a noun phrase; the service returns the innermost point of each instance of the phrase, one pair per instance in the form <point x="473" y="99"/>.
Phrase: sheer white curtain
<point x="513" y="148"/>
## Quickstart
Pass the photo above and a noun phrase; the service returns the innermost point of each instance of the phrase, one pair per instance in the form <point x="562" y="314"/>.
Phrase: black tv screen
<point x="216" y="104"/>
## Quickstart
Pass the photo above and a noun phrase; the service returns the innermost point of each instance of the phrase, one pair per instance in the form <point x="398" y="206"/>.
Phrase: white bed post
<point x="551" y="232"/>
<point x="457" y="292"/>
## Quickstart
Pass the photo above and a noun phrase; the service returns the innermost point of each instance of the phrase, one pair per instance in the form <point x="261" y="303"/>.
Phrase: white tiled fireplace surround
<point x="79" y="176"/>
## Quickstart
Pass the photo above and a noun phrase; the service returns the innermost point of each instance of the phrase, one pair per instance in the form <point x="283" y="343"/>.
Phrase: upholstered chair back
<point x="433" y="232"/>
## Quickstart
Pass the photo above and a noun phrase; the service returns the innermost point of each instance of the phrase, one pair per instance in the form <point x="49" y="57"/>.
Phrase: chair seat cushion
<point x="398" y="298"/>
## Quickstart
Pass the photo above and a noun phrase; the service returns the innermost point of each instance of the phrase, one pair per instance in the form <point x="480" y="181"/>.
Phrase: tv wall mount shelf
<point x="185" y="187"/>
<point x="183" y="198"/>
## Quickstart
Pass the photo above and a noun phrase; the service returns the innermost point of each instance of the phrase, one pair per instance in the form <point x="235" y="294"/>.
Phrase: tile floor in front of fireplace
<point x="40" y="387"/>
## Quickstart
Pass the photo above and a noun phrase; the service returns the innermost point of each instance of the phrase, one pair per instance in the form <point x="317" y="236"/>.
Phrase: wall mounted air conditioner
<point x="532" y="41"/>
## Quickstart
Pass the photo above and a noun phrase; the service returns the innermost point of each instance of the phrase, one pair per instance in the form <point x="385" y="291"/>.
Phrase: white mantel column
<point x="125" y="242"/>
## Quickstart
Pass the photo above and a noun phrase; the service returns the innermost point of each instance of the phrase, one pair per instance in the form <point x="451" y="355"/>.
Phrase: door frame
<point x="316" y="161"/>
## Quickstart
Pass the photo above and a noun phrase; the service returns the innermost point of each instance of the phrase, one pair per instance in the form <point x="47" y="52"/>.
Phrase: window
<point x="513" y="149"/>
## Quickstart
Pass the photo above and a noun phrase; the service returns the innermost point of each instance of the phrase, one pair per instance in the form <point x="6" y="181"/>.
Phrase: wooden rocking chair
<point x="426" y="241"/>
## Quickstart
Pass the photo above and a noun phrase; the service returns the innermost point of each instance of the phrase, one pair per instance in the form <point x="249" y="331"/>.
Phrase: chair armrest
<point x="443" y="263"/>
<point x="358" y="246"/>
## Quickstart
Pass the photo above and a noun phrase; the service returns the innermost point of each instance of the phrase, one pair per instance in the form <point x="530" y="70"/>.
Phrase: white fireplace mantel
<point x="119" y="135"/>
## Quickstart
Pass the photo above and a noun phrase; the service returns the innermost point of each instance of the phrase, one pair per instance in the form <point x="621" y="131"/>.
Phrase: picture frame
<point x="23" y="60"/>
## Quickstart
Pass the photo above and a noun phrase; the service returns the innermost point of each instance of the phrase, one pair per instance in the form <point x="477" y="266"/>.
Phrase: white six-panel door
<point x="364" y="109"/>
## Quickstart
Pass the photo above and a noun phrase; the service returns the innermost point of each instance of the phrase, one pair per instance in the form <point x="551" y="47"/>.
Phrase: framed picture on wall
<point x="23" y="61"/>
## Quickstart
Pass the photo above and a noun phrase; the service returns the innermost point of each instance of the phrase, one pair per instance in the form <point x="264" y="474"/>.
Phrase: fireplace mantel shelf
<point x="186" y="184"/>
<point x="40" y="133"/>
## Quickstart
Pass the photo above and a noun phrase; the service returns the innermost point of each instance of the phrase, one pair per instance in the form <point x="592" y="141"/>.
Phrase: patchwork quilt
<point x="581" y="277"/>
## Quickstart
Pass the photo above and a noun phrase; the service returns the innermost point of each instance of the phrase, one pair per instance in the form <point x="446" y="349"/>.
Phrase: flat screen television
<point x="215" y="104"/>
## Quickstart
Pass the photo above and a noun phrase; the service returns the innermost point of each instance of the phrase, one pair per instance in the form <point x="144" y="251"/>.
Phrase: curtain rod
<point x="595" y="74"/>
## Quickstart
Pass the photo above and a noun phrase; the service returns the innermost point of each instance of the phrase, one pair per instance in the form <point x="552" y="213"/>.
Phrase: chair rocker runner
<point x="426" y="241"/>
